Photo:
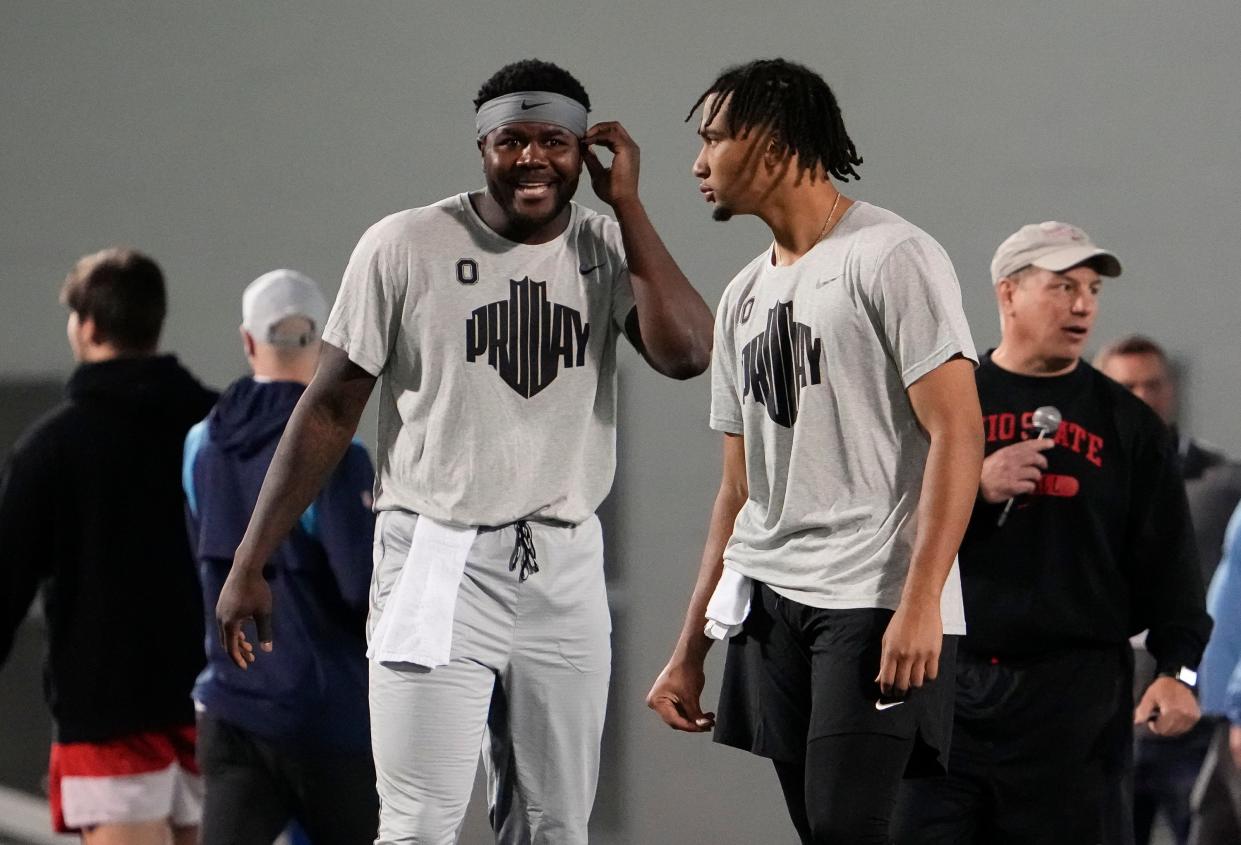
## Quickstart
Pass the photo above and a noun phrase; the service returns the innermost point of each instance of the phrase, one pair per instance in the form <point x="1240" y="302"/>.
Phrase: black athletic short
<point x="797" y="673"/>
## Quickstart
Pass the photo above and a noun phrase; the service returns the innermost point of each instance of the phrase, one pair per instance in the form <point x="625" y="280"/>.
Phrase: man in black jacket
<point x="1166" y="768"/>
<point x="91" y="508"/>
<point x="1080" y="537"/>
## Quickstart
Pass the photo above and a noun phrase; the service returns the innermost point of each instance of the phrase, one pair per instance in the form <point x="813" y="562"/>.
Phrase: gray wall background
<point x="230" y="138"/>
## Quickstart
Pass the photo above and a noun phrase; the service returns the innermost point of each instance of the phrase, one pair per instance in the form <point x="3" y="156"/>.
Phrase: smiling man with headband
<point x="493" y="317"/>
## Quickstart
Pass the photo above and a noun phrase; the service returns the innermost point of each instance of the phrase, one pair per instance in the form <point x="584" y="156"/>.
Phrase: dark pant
<point x="1038" y="748"/>
<point x="254" y="789"/>
<point x="799" y="687"/>
<point x="844" y="790"/>
<point x="1165" y="771"/>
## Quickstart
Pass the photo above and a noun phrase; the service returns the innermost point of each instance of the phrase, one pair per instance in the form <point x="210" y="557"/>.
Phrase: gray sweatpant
<point x="527" y="683"/>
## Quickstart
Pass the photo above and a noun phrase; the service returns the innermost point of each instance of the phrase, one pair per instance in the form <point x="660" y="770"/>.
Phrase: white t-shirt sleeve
<point x="366" y="317"/>
<point x="917" y="303"/>
<point x="725" y="396"/>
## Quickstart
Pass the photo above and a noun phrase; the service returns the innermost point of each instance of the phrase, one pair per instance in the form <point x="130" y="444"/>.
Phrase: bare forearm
<point x="949" y="487"/>
<point x="693" y="643"/>
<point x="675" y="322"/>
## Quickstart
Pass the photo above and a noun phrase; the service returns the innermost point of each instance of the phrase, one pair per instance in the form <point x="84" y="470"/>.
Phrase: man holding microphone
<point x="1080" y="537"/>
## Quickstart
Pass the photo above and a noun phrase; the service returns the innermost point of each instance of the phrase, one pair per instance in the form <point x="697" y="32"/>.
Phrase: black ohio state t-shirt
<point x="1103" y="547"/>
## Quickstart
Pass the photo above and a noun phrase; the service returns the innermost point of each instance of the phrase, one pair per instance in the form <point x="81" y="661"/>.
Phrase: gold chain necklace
<point x="823" y="233"/>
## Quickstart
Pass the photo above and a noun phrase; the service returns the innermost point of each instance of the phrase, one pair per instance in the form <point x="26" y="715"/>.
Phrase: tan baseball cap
<point x="1053" y="246"/>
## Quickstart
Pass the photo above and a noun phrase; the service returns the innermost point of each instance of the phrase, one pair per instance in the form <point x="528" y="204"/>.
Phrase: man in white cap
<point x="1080" y="538"/>
<point x="494" y="318"/>
<point x="290" y="739"/>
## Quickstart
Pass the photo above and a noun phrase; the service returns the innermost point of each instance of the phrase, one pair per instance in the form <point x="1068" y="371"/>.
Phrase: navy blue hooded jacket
<point x="310" y="691"/>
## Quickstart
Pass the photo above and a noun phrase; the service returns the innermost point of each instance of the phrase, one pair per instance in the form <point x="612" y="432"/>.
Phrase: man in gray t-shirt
<point x="843" y="384"/>
<point x="493" y="319"/>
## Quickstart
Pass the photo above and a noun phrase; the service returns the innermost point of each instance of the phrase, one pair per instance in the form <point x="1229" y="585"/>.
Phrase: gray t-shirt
<point x="498" y="362"/>
<point x="811" y="364"/>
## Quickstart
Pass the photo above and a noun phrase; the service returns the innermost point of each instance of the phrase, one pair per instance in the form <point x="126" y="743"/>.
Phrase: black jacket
<point x="1104" y="547"/>
<point x="91" y="506"/>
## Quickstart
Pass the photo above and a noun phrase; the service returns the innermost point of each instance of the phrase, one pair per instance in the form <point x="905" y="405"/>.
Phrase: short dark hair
<point x="1133" y="344"/>
<point x="122" y="291"/>
<point x="531" y="75"/>
<point x="794" y="104"/>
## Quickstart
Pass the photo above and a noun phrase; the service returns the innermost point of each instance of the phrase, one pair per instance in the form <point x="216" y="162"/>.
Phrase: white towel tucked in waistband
<point x="416" y="623"/>
<point x="729" y="605"/>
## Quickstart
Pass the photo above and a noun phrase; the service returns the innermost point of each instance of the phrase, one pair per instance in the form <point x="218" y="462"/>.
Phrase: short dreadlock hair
<point x="531" y="75"/>
<point x="794" y="104"/>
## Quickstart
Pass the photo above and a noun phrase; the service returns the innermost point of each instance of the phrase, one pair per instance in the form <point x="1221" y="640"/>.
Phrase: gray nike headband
<point x="531" y="107"/>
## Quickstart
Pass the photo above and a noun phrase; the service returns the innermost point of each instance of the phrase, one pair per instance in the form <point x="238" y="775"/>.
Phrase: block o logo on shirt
<point x="467" y="271"/>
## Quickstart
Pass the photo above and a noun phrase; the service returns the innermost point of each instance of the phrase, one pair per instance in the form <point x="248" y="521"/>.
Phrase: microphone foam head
<point x="1047" y="418"/>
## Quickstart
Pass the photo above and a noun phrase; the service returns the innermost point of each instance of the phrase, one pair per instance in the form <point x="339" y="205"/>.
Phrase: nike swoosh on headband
<point x="531" y="106"/>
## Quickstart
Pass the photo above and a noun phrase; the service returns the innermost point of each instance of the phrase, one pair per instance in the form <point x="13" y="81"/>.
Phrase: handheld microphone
<point x="1047" y="420"/>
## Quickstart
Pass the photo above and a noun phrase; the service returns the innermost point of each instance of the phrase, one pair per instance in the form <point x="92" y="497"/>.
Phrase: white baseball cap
<point x="1052" y="246"/>
<point x="276" y="296"/>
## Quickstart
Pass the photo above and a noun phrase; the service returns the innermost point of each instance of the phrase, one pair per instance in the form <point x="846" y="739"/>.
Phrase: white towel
<point x="416" y="624"/>
<point x="729" y="605"/>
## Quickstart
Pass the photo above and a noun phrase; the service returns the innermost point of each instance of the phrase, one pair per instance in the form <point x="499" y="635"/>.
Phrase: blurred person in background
<point x="1166" y="768"/>
<point x="1216" y="798"/>
<point x="91" y="509"/>
<point x="289" y="740"/>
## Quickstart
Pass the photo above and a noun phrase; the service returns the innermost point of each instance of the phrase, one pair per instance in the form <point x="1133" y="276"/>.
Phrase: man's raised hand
<point x="618" y="182"/>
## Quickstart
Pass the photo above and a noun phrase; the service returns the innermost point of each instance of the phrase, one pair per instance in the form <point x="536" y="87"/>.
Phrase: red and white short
<point x="136" y="778"/>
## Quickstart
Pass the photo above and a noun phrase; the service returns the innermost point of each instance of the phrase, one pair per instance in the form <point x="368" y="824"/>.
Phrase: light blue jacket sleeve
<point x="1227" y="613"/>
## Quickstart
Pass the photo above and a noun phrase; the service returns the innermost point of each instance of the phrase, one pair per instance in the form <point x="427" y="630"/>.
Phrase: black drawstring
<point x="523" y="551"/>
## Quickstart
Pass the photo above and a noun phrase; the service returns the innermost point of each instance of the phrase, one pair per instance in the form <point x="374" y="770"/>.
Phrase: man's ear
<point x="774" y="150"/>
<point x="90" y="331"/>
<point x="1004" y="290"/>
<point x="247" y="343"/>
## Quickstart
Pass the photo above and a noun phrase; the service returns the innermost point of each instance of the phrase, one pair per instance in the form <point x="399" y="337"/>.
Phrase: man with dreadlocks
<point x="842" y="380"/>
<point x="493" y="317"/>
